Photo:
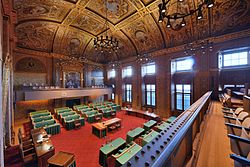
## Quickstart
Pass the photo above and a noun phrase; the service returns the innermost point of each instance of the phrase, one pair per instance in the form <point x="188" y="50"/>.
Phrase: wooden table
<point x="143" y="114"/>
<point x="62" y="159"/>
<point x="100" y="129"/>
<point x="43" y="146"/>
<point x="112" y="122"/>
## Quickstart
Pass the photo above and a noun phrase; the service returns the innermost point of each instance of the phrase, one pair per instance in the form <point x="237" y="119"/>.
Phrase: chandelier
<point x="144" y="58"/>
<point x="203" y="46"/>
<point x="174" y="12"/>
<point x="114" y="64"/>
<point x="106" y="43"/>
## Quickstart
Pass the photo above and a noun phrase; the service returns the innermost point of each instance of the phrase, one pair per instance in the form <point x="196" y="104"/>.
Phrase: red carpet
<point x="86" y="146"/>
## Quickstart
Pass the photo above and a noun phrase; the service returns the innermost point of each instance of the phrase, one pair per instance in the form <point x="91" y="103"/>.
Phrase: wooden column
<point x="246" y="89"/>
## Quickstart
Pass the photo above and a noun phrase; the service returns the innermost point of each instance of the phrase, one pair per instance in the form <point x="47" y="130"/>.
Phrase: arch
<point x="30" y="64"/>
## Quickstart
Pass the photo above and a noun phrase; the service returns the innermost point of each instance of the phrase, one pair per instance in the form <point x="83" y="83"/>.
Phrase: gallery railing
<point x="173" y="146"/>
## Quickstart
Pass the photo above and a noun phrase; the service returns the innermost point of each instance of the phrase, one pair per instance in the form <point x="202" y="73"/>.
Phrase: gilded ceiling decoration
<point x="69" y="26"/>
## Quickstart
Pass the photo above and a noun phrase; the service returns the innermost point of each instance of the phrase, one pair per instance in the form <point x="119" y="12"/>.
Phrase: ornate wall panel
<point x="54" y="10"/>
<point x="29" y="64"/>
<point x="23" y="77"/>
<point x="36" y="35"/>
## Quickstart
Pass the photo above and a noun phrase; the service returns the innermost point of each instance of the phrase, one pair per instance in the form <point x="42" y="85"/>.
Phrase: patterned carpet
<point x="86" y="146"/>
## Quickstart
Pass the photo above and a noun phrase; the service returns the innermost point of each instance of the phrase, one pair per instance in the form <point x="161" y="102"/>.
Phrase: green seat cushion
<point x="41" y="115"/>
<point x="38" y="112"/>
<point x="43" y="118"/>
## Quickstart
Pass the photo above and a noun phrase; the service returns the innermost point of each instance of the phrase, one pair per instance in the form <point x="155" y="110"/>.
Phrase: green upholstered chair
<point x="38" y="112"/>
<point x="57" y="114"/>
<point x="79" y="107"/>
<point x="69" y="121"/>
<point x="65" y="114"/>
<point x="91" y="116"/>
<point x="40" y="119"/>
<point x="50" y="126"/>
<point x="40" y="115"/>
<point x="107" y="112"/>
<point x="86" y="110"/>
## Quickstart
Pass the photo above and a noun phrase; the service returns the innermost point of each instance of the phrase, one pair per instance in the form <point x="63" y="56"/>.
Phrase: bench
<point x="68" y="122"/>
<point x="92" y="115"/>
<point x="50" y="126"/>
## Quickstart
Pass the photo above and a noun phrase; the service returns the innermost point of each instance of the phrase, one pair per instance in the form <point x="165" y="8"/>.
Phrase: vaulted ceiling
<point x="56" y="25"/>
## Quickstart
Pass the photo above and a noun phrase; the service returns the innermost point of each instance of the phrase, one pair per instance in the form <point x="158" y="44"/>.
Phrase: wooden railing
<point x="173" y="146"/>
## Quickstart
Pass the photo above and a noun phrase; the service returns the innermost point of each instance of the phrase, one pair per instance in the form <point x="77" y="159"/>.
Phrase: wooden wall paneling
<point x="162" y="88"/>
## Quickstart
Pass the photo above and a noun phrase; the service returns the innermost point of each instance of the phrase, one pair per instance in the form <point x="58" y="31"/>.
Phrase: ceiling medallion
<point x="144" y="59"/>
<point x="174" y="12"/>
<point x="106" y="43"/>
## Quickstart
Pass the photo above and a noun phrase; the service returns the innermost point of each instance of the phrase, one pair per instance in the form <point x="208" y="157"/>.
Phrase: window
<point x="128" y="93"/>
<point x="150" y="94"/>
<point x="112" y="96"/>
<point x="228" y="86"/>
<point x="234" y="58"/>
<point x="182" y="64"/>
<point x="183" y="96"/>
<point x="127" y="72"/>
<point x="111" y="73"/>
<point x="148" y="69"/>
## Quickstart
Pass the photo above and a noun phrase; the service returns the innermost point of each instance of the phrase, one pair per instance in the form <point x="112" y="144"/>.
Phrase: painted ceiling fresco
<point x="69" y="26"/>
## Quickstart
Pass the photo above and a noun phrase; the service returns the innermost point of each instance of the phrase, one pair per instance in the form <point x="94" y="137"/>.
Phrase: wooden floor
<point x="213" y="144"/>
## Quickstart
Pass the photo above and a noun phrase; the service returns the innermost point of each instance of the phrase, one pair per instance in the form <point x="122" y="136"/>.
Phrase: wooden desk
<point x="99" y="129"/>
<point x="110" y="149"/>
<point x="133" y="134"/>
<point x="142" y="114"/>
<point x="62" y="159"/>
<point x="112" y="122"/>
<point x="148" y="137"/>
<point x="126" y="154"/>
<point x="43" y="146"/>
<point x="148" y="125"/>
<point x="161" y="126"/>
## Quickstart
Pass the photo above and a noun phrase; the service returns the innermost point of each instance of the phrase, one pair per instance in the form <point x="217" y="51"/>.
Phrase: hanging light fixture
<point x="103" y="43"/>
<point x="175" y="12"/>
<point x="144" y="58"/>
<point x="203" y="46"/>
<point x="114" y="64"/>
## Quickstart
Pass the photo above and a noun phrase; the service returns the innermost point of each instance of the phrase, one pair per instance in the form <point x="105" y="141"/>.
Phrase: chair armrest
<point x="228" y="117"/>
<point x="237" y="126"/>
<point x="227" y="108"/>
<point x="227" y="112"/>
<point x="247" y="141"/>
<point x="240" y="159"/>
